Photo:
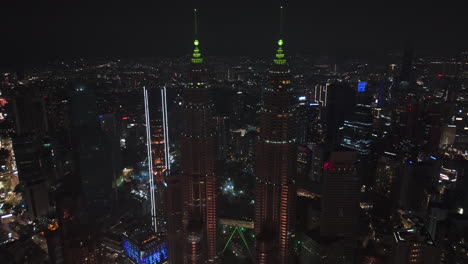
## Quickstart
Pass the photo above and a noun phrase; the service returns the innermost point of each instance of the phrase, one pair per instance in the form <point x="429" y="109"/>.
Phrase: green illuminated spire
<point x="196" y="56"/>
<point x="279" y="57"/>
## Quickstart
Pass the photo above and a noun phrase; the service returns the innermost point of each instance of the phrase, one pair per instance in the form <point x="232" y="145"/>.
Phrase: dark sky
<point x="38" y="31"/>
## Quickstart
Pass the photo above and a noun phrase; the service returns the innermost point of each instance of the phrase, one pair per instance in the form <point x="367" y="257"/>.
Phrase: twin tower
<point x="275" y="169"/>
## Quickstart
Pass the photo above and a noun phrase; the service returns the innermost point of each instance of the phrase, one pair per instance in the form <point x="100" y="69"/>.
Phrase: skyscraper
<point x="198" y="155"/>
<point x="174" y="209"/>
<point x="406" y="79"/>
<point x="89" y="153"/>
<point x="276" y="163"/>
<point x="357" y="130"/>
<point x="406" y="73"/>
<point x="340" y="98"/>
<point x="32" y="151"/>
<point x="222" y="129"/>
<point x="157" y="137"/>
<point x="340" y="202"/>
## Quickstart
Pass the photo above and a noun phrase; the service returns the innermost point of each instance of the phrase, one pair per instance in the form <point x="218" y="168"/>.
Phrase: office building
<point x="340" y="202"/>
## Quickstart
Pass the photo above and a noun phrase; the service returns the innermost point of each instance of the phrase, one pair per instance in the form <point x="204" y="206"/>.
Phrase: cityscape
<point x="352" y="152"/>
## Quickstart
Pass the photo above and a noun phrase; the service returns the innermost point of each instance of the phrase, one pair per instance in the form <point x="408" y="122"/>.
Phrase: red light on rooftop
<point x="125" y="118"/>
<point x="439" y="75"/>
<point x="329" y="166"/>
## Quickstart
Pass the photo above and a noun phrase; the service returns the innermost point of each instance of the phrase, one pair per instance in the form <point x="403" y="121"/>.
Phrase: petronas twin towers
<point x="275" y="168"/>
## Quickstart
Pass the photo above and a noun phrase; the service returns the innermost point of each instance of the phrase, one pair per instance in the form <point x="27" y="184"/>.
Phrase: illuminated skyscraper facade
<point x="158" y="152"/>
<point x="198" y="155"/>
<point x="276" y="163"/>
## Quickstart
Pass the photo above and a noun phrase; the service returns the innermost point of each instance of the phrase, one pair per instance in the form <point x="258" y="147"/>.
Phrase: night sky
<point x="39" y="31"/>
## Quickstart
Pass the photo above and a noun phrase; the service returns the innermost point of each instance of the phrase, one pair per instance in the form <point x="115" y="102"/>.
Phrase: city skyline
<point x="339" y="30"/>
<point x="357" y="154"/>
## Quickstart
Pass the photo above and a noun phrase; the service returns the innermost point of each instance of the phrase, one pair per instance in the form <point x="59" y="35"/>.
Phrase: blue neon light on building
<point x="361" y="86"/>
<point x="155" y="254"/>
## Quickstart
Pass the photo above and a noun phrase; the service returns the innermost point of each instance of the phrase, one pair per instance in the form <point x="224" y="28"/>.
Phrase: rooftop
<point x="416" y="234"/>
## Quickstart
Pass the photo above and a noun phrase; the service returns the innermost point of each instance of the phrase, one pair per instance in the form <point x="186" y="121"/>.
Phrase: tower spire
<point x="281" y="22"/>
<point x="279" y="57"/>
<point x="196" y="56"/>
<point x="196" y="23"/>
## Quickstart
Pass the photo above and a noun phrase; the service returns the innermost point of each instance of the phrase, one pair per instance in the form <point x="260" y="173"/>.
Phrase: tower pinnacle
<point x="279" y="57"/>
<point x="196" y="56"/>
<point x="281" y="21"/>
<point x="196" y="22"/>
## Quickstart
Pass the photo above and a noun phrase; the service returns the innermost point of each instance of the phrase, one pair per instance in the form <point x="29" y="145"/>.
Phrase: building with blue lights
<point x="142" y="246"/>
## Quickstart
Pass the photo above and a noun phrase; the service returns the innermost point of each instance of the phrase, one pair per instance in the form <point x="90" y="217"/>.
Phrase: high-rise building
<point x="157" y="137"/>
<point x="444" y="68"/>
<point x="222" y="129"/>
<point x="415" y="245"/>
<point x="388" y="170"/>
<point x="304" y="162"/>
<point x="357" y="130"/>
<point x="174" y="209"/>
<point x="30" y="114"/>
<point x="276" y="163"/>
<point x="306" y="116"/>
<point x="415" y="184"/>
<point x="339" y="100"/>
<point x="110" y="144"/>
<point x="32" y="151"/>
<point x="317" y="159"/>
<point x="316" y="249"/>
<point x="198" y="156"/>
<point x="406" y="73"/>
<point x="430" y="125"/>
<point x="340" y="202"/>
<point x="406" y="79"/>
<point x="36" y="198"/>
<point x="318" y="94"/>
<point x="266" y="248"/>
<point x="87" y="141"/>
